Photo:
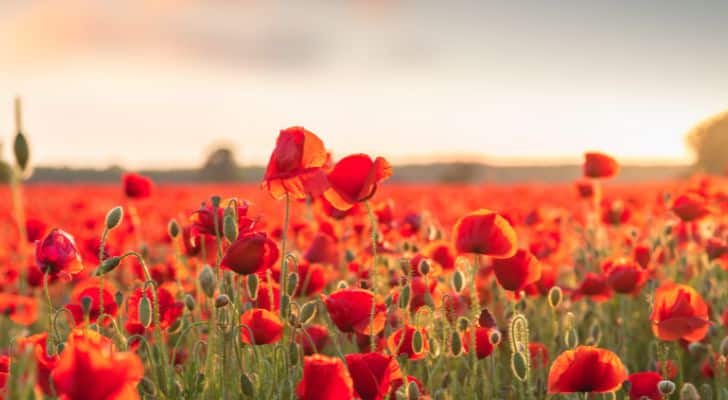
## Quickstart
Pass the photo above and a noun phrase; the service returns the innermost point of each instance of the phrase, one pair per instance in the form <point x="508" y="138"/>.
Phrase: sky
<point x="156" y="84"/>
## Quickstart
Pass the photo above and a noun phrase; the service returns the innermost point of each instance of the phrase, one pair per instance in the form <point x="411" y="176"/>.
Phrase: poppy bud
<point x="21" y="150"/>
<point x="417" y="342"/>
<point x="207" y="280"/>
<point x="108" y="265"/>
<point x="247" y="383"/>
<point x="424" y="267"/>
<point x="86" y="304"/>
<point x="456" y="344"/>
<point x="308" y="312"/>
<point x="292" y="283"/>
<point x="252" y="282"/>
<point x="145" y="312"/>
<point x="413" y="392"/>
<point x="519" y="366"/>
<point x="458" y="281"/>
<point x="173" y="229"/>
<point x="462" y="324"/>
<point x="666" y="387"/>
<point x="114" y="217"/>
<point x="349" y="255"/>
<point x="689" y="392"/>
<point x="222" y="300"/>
<point x="189" y="302"/>
<point x="147" y="387"/>
<point x="486" y="319"/>
<point x="230" y="226"/>
<point x="404" y="297"/>
<point x="215" y="201"/>
<point x="555" y="296"/>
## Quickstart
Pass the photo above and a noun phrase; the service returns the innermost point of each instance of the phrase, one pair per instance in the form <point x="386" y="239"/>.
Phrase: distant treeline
<point x="419" y="173"/>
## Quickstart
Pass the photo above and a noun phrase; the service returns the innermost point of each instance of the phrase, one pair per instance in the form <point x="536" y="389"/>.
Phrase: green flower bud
<point x="114" y="217"/>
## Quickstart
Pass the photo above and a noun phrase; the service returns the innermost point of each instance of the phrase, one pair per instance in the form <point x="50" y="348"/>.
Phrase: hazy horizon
<point x="154" y="84"/>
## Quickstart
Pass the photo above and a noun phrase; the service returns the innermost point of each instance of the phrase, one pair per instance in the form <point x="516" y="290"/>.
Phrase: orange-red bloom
<point x="517" y="272"/>
<point x="44" y="363"/>
<point x="169" y="309"/>
<point x="97" y="294"/>
<point x="260" y="326"/>
<point x="400" y="342"/>
<point x="203" y="220"/>
<point x="295" y="166"/>
<point x="690" y="207"/>
<point x="91" y="369"/>
<point x="20" y="309"/>
<point x="373" y="374"/>
<point x="350" y="309"/>
<point x="324" y="378"/>
<point x="624" y="275"/>
<point x="251" y="253"/>
<point x="586" y="369"/>
<point x="679" y="313"/>
<point x="485" y="232"/>
<point x="483" y="346"/>
<point x="354" y="179"/>
<point x="136" y="186"/>
<point x="57" y="254"/>
<point x="599" y="165"/>
<point x="644" y="385"/>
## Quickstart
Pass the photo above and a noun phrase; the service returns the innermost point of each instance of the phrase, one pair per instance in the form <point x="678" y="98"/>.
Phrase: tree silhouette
<point x="220" y="166"/>
<point x="709" y="141"/>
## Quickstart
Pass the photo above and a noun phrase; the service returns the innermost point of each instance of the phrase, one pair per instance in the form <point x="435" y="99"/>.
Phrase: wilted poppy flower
<point x="259" y="326"/>
<point x="57" y="254"/>
<point x="295" y="166"/>
<point x="90" y="368"/>
<point x="400" y="342"/>
<point x="324" y="378"/>
<point x="313" y="338"/>
<point x="44" y="363"/>
<point x="483" y="346"/>
<point x="203" y="219"/>
<point x="690" y="207"/>
<point x="350" y="310"/>
<point x="354" y="179"/>
<point x="97" y="295"/>
<point x="595" y="287"/>
<point x="20" y="309"/>
<point x="250" y="253"/>
<point x="136" y="186"/>
<point x="625" y="275"/>
<point x="644" y="385"/>
<point x="169" y="309"/>
<point x="586" y="369"/>
<point x="517" y="272"/>
<point x="373" y="374"/>
<point x="679" y="312"/>
<point x="599" y="165"/>
<point x="485" y="232"/>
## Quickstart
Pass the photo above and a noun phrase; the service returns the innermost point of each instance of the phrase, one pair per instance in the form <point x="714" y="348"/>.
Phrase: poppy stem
<point x="284" y="260"/>
<point x="19" y="213"/>
<point x="373" y="228"/>
<point x="51" y="331"/>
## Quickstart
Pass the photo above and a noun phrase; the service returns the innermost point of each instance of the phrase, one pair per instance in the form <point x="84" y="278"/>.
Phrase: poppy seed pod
<point x="114" y="217"/>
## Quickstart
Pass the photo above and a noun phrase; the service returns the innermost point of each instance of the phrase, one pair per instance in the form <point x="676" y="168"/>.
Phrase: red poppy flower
<point x="517" y="272"/>
<point x="169" y="309"/>
<point x="250" y="253"/>
<point x="716" y="247"/>
<point x="203" y="219"/>
<point x="410" y="379"/>
<point x="585" y="189"/>
<point x="485" y="232"/>
<point x="90" y="368"/>
<point x="92" y="289"/>
<point x="586" y="369"/>
<point x="44" y="363"/>
<point x="644" y="385"/>
<point x="539" y="354"/>
<point x="595" y="287"/>
<point x="400" y="342"/>
<point x="313" y="338"/>
<point x="483" y="347"/>
<point x="442" y="253"/>
<point x="615" y="212"/>
<point x="324" y="249"/>
<point x="354" y="179"/>
<point x="136" y="186"/>
<point x="295" y="166"/>
<point x="599" y="165"/>
<point x="350" y="309"/>
<point x="35" y="229"/>
<point x="422" y="292"/>
<point x="57" y="254"/>
<point x="690" y="207"/>
<point x="20" y="309"/>
<point x="324" y="378"/>
<point x="269" y="294"/>
<point x="373" y="374"/>
<point x="312" y="279"/>
<point x="625" y="276"/>
<point x="259" y="326"/>
<point x="679" y="313"/>
<point x="642" y="255"/>
<point x="4" y="372"/>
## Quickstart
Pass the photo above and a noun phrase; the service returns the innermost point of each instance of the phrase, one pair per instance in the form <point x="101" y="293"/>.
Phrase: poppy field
<point x="327" y="282"/>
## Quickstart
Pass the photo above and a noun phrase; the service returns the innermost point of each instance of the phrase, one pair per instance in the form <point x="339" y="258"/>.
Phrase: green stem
<point x="372" y="312"/>
<point x="284" y="260"/>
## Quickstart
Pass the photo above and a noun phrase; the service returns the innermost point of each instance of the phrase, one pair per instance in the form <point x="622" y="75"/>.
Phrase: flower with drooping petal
<point x="517" y="272"/>
<point x="354" y="179"/>
<point x="251" y="253"/>
<point x="485" y="232"/>
<point x="350" y="310"/>
<point x="259" y="326"/>
<point x="679" y="312"/>
<point x="373" y="374"/>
